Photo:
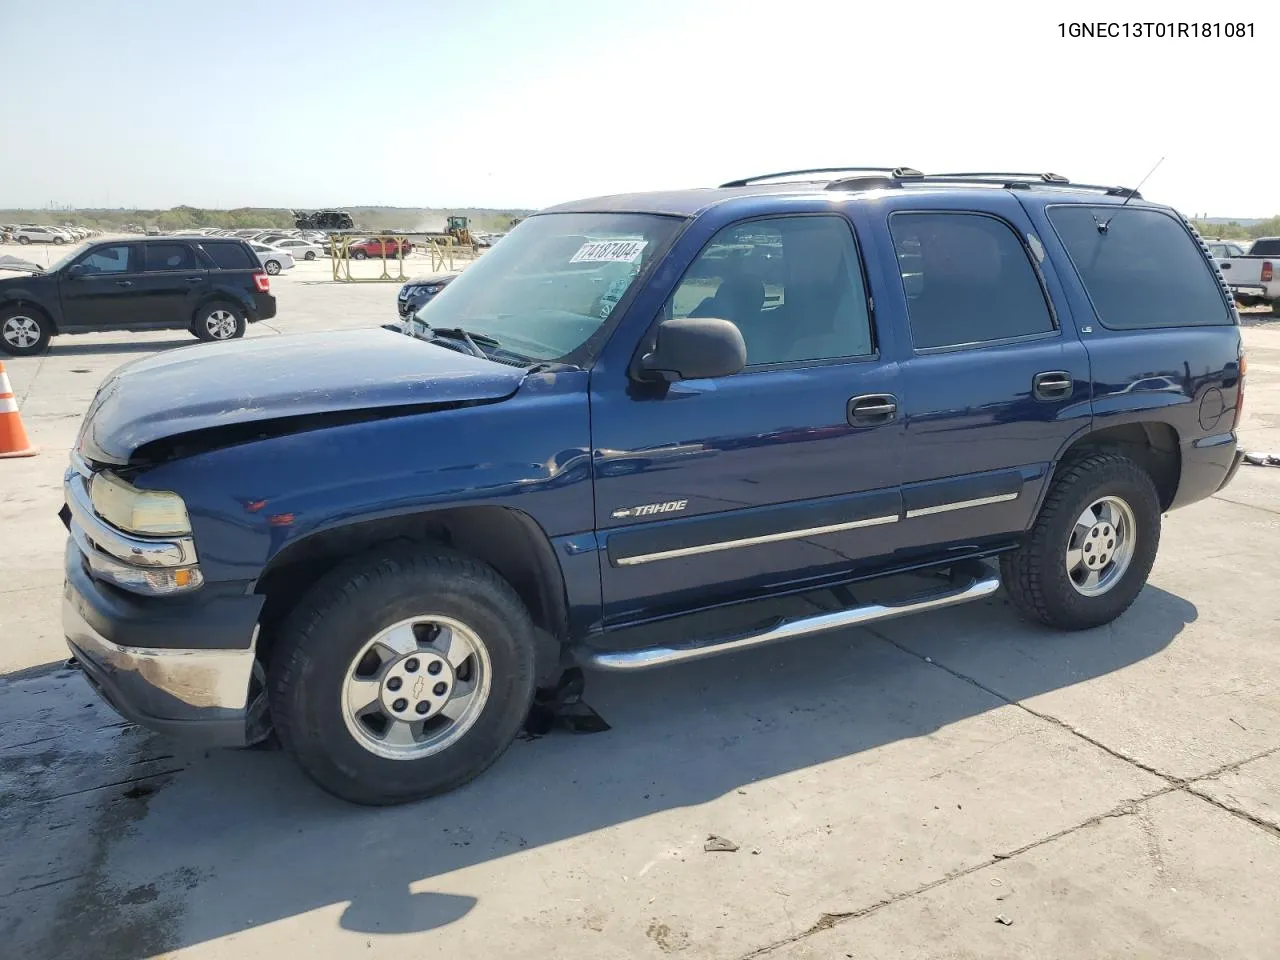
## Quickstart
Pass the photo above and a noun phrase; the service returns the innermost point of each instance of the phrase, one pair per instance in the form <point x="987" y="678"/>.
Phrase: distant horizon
<point x="1205" y="218"/>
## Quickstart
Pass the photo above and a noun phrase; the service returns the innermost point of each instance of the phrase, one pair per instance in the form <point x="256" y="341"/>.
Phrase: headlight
<point x="434" y="288"/>
<point x="138" y="511"/>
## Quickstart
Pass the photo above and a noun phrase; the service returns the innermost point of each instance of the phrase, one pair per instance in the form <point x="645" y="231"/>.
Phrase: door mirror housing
<point x="76" y="271"/>
<point x="694" y="348"/>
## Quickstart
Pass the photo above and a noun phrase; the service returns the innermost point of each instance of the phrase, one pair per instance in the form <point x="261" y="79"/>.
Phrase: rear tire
<point x="309" y="255"/>
<point x="359" y="255"/>
<point x="272" y="267"/>
<point x="219" y="321"/>
<point x="24" y="332"/>
<point x="339" y="669"/>
<point x="1090" y="550"/>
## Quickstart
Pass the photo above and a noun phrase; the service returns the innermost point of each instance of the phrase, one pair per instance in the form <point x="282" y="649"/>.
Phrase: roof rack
<point x="1044" y="177"/>
<point x="892" y="171"/>
<point x="883" y="178"/>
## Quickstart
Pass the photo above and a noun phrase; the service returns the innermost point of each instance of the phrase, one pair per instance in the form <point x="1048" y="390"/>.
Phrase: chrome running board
<point x="973" y="584"/>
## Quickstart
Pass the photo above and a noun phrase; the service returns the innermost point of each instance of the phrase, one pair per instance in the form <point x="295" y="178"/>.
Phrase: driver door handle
<point x="194" y="279"/>
<point x="124" y="283"/>
<point x="871" y="408"/>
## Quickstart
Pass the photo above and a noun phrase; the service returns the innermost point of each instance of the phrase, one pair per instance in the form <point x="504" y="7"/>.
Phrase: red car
<point x="378" y="247"/>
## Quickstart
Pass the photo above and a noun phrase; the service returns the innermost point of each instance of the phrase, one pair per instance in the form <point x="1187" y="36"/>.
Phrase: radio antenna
<point x="1103" y="225"/>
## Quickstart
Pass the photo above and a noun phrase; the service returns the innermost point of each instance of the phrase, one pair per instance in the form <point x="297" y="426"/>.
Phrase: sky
<point x="514" y="103"/>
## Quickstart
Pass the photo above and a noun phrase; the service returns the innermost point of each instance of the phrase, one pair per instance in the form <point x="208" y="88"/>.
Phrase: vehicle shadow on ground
<point x="268" y="845"/>
<point x="132" y="346"/>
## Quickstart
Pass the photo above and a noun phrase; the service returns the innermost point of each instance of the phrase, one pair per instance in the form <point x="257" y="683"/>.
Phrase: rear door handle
<point x="871" y="408"/>
<point x="124" y="283"/>
<point x="1225" y="266"/>
<point x="1052" y="385"/>
<point x="194" y="279"/>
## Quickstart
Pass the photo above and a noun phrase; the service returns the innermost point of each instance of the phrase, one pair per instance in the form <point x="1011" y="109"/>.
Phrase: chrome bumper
<point x="200" y="695"/>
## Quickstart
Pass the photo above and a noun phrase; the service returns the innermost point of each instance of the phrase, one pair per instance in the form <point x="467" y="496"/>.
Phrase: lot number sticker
<point x="609" y="251"/>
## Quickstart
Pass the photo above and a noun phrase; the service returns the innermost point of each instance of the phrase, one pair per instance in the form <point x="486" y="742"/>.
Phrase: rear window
<point x="967" y="280"/>
<point x="1265" y="248"/>
<point x="229" y="256"/>
<point x="170" y="256"/>
<point x="1142" y="271"/>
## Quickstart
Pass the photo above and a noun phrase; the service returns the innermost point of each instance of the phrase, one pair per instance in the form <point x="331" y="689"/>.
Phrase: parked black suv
<point x="210" y="286"/>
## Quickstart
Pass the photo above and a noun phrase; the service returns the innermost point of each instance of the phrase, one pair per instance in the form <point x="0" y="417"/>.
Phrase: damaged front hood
<point x="273" y="378"/>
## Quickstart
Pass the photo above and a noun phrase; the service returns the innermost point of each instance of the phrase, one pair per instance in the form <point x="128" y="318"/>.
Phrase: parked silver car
<point x="273" y="260"/>
<point x="33" y="234"/>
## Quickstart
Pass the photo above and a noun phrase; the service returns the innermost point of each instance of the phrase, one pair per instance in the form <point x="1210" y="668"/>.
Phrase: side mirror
<point x="692" y="348"/>
<point x="77" y="271"/>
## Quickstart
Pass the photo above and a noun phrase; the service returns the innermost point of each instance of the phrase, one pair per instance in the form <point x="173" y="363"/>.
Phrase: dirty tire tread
<point x="1034" y="575"/>
<point x="342" y="590"/>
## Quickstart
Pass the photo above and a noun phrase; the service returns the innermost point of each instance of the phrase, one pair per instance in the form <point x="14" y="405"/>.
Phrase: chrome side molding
<point x="982" y="582"/>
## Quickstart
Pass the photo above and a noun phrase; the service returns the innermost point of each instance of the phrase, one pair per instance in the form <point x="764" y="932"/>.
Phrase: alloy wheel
<point x="416" y="687"/>
<point x="1100" y="546"/>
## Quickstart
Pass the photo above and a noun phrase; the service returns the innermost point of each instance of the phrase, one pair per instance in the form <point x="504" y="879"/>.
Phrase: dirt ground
<point x="959" y="785"/>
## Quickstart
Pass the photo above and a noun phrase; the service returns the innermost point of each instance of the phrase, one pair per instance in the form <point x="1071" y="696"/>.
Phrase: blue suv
<point x="635" y="410"/>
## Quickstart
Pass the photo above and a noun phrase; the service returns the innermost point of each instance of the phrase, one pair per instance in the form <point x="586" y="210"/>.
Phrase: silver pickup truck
<point x="1250" y="269"/>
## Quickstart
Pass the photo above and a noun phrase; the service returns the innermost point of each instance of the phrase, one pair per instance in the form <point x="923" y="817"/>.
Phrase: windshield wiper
<point x="472" y="340"/>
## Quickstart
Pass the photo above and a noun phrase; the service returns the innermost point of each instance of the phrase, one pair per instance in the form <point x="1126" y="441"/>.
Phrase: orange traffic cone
<point x="13" y="438"/>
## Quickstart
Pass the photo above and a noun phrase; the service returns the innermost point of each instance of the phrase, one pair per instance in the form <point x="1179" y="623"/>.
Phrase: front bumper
<point x="183" y="665"/>
<point x="203" y="697"/>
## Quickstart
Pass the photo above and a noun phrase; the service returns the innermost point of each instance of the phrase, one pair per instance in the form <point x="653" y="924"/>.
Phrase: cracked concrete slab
<point x="848" y="774"/>
<point x="1163" y="882"/>
<point x="1252" y="789"/>
<point x="1194" y="685"/>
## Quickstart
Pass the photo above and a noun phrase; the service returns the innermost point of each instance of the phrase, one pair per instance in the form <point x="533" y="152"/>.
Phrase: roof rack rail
<point x="892" y="171"/>
<point x="1044" y="177"/>
<point x="1014" y="182"/>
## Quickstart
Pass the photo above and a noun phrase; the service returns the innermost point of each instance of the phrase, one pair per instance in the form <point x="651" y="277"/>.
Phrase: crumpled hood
<point x="270" y="378"/>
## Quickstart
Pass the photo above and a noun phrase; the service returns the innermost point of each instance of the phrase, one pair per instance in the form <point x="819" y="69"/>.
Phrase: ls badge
<point x="649" y="509"/>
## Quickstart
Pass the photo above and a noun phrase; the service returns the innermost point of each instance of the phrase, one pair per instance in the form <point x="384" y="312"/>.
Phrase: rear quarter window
<point x="1142" y="271"/>
<point x="229" y="256"/>
<point x="1265" y="248"/>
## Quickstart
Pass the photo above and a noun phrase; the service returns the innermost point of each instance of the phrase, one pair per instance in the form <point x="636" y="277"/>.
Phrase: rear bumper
<point x="1208" y="465"/>
<point x="263" y="307"/>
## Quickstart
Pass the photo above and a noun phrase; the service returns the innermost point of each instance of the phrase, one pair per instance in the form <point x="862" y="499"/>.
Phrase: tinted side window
<point x="229" y="256"/>
<point x="1143" y="271"/>
<point x="170" y="256"/>
<point x="109" y="260"/>
<point x="793" y="286"/>
<point x="1265" y="248"/>
<point x="967" y="279"/>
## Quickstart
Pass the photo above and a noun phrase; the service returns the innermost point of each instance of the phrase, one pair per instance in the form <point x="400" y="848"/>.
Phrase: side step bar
<point x="973" y="582"/>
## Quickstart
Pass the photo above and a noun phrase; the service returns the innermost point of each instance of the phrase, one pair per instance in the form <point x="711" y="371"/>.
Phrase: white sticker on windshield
<point x="609" y="251"/>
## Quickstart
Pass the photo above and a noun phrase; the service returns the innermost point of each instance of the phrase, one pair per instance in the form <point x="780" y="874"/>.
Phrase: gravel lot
<point x="955" y="785"/>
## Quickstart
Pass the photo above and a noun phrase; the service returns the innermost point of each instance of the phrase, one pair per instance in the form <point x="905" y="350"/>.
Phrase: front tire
<point x="402" y="674"/>
<point x="359" y="255"/>
<point x="24" y="240"/>
<point x="1089" y="553"/>
<point x="24" y="332"/>
<point x="219" y="321"/>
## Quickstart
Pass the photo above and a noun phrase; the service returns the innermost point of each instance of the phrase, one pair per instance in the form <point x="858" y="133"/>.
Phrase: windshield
<point x="62" y="261"/>
<point x="552" y="282"/>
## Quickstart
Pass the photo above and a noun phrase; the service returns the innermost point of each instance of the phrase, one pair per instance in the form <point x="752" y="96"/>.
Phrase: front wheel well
<point x="508" y="540"/>
<point x="1153" y="445"/>
<point x="24" y="304"/>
